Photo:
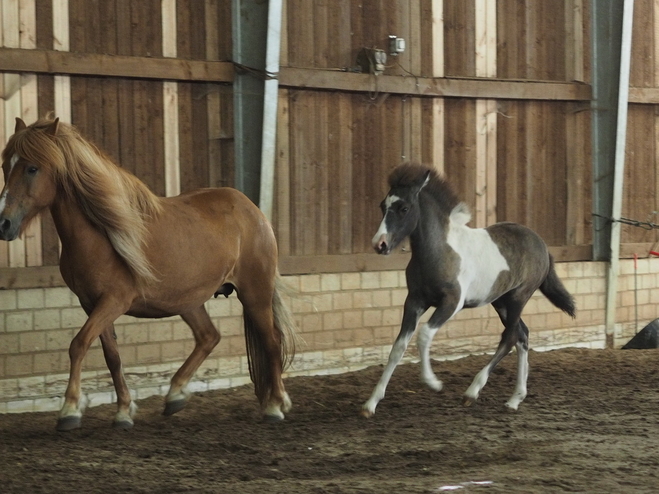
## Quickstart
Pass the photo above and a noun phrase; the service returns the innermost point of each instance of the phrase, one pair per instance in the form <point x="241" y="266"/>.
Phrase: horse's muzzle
<point x="381" y="246"/>
<point x="8" y="229"/>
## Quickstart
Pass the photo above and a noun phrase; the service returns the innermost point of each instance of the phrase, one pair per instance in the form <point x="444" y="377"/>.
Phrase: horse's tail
<point x="258" y="357"/>
<point x="555" y="291"/>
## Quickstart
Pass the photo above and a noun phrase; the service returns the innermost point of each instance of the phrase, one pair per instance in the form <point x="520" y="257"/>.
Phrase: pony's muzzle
<point x="7" y="229"/>
<point x="380" y="244"/>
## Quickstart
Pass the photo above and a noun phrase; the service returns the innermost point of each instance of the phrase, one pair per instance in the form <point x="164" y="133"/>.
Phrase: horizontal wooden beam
<point x="439" y="86"/>
<point x="33" y="277"/>
<point x="644" y="95"/>
<point x="93" y="64"/>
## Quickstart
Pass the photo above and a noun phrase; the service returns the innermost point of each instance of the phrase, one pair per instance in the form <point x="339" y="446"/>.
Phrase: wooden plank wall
<point x="641" y="181"/>
<point x="518" y="160"/>
<point x="124" y="117"/>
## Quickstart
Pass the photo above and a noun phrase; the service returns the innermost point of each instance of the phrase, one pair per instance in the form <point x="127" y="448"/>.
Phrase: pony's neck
<point x="429" y="237"/>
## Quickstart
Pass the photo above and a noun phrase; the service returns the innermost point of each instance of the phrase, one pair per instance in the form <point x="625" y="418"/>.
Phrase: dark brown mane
<point x="413" y="175"/>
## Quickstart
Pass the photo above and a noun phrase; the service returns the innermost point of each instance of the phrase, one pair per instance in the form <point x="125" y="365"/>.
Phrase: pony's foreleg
<point x="410" y="321"/>
<point x="100" y="320"/>
<point x="206" y="338"/>
<point x="426" y="334"/>
<point x="126" y="407"/>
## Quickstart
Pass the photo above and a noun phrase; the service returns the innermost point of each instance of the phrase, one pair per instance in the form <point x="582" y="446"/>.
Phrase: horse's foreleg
<point x="100" y="320"/>
<point x="410" y="321"/>
<point x="426" y="334"/>
<point x="126" y="407"/>
<point x="206" y="338"/>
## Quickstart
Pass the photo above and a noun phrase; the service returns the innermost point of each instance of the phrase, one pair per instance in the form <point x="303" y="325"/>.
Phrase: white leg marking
<point x="397" y="352"/>
<point x="426" y="334"/>
<point x="122" y="416"/>
<point x="522" y="375"/>
<point x="71" y="410"/>
<point x="478" y="384"/>
<point x="277" y="410"/>
<point x="183" y="394"/>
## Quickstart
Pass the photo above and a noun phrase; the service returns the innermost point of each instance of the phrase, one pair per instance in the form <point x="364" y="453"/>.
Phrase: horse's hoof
<point x="172" y="407"/>
<point x="272" y="419"/>
<point x="366" y="413"/>
<point x="68" y="423"/>
<point x="122" y="424"/>
<point x="468" y="401"/>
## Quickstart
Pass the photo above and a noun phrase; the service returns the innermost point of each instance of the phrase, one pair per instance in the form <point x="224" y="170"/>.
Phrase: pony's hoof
<point x="366" y="413"/>
<point x="172" y="407"/>
<point x="272" y="419"/>
<point x="68" y="423"/>
<point x="122" y="424"/>
<point x="468" y="401"/>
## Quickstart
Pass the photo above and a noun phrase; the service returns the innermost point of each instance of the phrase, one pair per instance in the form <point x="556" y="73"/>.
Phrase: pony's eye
<point x="32" y="170"/>
<point x="404" y="209"/>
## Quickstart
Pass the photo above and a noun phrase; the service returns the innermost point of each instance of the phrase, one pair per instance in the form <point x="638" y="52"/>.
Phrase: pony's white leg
<point x="426" y="334"/>
<point x="124" y="418"/>
<point x="479" y="382"/>
<point x="522" y="376"/>
<point x="275" y="411"/>
<point x="396" y="354"/>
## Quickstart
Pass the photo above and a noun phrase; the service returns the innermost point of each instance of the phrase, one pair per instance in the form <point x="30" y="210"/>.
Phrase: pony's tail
<point x="258" y="357"/>
<point x="555" y="291"/>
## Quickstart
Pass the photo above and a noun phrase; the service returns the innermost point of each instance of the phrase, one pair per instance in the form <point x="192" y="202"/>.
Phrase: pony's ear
<point x="52" y="128"/>
<point x="423" y="181"/>
<point x="20" y="125"/>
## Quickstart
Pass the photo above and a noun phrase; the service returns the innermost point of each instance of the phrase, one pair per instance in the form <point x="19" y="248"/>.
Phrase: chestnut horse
<point x="127" y="251"/>
<point x="455" y="267"/>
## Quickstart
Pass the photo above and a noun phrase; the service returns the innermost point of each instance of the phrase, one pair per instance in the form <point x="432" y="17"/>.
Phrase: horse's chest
<point x="481" y="264"/>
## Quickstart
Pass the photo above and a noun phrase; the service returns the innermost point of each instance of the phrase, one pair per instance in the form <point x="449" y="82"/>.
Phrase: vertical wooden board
<point x="359" y="171"/>
<point x="509" y="193"/>
<point x="186" y="144"/>
<point x="343" y="176"/>
<point x="642" y="57"/>
<point x="460" y="152"/>
<point x="459" y="19"/>
<point x="200" y="134"/>
<point x="283" y="170"/>
<point x="373" y="21"/>
<point x="416" y="126"/>
<point x="578" y="179"/>
<point x="301" y="33"/>
<point x="339" y="29"/>
<point x="640" y="175"/>
<point x="511" y="39"/>
<point x="321" y="168"/>
<point x="191" y="35"/>
<point x="321" y="35"/>
<point x="356" y="29"/>
<point x="44" y="13"/>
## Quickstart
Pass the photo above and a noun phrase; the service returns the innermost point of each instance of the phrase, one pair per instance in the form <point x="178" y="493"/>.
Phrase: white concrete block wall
<point x="346" y="321"/>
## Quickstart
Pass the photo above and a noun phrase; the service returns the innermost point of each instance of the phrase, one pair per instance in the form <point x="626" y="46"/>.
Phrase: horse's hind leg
<point x="264" y="347"/>
<point x="522" y="346"/>
<point x="509" y="315"/>
<point x="206" y="338"/>
<point x="126" y="407"/>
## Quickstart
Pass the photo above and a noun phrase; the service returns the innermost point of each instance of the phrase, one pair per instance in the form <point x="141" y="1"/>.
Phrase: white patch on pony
<point x="481" y="261"/>
<point x="522" y="376"/>
<point x="122" y="416"/>
<point x="3" y="198"/>
<point x="382" y="230"/>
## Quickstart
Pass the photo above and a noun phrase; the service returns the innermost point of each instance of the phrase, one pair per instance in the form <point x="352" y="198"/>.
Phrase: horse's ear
<point x="423" y="182"/>
<point x="52" y="128"/>
<point x="20" y="125"/>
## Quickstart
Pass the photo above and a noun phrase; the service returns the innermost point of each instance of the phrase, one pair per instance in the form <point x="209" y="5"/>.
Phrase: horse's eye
<point x="404" y="209"/>
<point x="32" y="170"/>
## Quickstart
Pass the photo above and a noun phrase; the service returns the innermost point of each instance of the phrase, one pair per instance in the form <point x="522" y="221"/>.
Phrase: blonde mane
<point x="113" y="199"/>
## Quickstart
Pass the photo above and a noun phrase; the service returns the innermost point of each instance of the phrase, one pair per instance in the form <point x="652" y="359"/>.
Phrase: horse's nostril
<point x="5" y="225"/>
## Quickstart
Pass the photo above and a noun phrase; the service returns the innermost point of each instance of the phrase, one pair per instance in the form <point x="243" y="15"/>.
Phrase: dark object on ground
<point x="648" y="337"/>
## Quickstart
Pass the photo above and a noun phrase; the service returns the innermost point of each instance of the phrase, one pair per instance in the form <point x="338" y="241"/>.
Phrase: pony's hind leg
<point x="509" y="338"/>
<point x="206" y="338"/>
<point x="264" y="350"/>
<point x="126" y="407"/>
<point x="522" y="347"/>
